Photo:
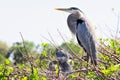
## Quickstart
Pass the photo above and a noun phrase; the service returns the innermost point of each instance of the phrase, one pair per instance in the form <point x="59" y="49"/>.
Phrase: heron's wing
<point x="85" y="36"/>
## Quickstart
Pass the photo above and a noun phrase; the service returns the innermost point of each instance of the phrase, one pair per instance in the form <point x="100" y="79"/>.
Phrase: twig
<point x="116" y="58"/>
<point x="49" y="41"/>
<point x="67" y="44"/>
<point x="117" y="26"/>
<point x="27" y="53"/>
<point x="52" y="38"/>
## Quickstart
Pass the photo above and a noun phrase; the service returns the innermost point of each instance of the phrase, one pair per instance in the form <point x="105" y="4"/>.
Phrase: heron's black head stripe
<point x="74" y="8"/>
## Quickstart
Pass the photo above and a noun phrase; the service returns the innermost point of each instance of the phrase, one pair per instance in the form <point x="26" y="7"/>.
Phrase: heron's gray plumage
<point x="71" y="21"/>
<point x="86" y="39"/>
<point x="62" y="60"/>
<point x="65" y="67"/>
<point x="82" y="28"/>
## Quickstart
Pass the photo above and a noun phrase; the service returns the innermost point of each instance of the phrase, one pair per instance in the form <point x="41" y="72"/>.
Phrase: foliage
<point x="71" y="47"/>
<point x="2" y="59"/>
<point x="21" y="51"/>
<point x="110" y="57"/>
<point x="3" y="48"/>
<point x="35" y="66"/>
<point x="3" y="51"/>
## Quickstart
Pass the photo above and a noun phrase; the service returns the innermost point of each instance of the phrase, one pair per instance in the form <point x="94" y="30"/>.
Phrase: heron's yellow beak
<point x="61" y="9"/>
<point x="58" y="9"/>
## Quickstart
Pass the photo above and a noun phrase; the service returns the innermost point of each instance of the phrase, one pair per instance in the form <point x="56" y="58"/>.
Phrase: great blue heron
<point x="82" y="28"/>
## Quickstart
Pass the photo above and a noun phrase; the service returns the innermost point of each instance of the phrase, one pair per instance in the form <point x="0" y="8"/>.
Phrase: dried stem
<point x="32" y="67"/>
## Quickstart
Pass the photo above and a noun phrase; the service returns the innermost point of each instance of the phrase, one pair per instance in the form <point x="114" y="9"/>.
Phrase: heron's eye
<point x="72" y="9"/>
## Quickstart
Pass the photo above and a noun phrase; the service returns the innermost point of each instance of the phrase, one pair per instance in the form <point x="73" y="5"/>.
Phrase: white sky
<point x="35" y="18"/>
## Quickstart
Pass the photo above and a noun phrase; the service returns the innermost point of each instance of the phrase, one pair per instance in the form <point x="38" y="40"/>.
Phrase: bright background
<point x="37" y="18"/>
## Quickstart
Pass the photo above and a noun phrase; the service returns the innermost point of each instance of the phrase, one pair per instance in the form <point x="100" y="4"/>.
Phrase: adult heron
<point x="82" y="28"/>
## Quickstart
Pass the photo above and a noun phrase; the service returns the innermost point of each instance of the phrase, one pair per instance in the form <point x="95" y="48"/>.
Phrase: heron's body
<point x="65" y="67"/>
<point x="82" y="28"/>
<point x="63" y="59"/>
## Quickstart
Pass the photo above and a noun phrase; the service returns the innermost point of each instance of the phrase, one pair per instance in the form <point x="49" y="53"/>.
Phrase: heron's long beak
<point x="62" y="9"/>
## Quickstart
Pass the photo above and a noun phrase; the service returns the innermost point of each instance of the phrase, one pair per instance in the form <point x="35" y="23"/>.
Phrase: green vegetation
<point x="31" y="64"/>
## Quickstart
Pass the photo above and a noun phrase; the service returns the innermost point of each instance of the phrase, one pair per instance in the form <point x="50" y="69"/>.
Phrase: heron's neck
<point x="79" y="14"/>
<point x="75" y="16"/>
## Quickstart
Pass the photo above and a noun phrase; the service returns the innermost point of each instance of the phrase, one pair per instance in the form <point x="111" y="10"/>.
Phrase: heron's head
<point x="70" y="10"/>
<point x="62" y="57"/>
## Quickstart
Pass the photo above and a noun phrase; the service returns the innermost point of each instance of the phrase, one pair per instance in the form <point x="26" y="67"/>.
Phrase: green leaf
<point x="112" y="43"/>
<point x="111" y="70"/>
<point x="57" y="69"/>
<point x="7" y="62"/>
<point x="91" y="74"/>
<point x="45" y="44"/>
<point x="72" y="62"/>
<point x="44" y="78"/>
<point x="106" y="72"/>
<point x="24" y="78"/>
<point x="9" y="70"/>
<point x="44" y="53"/>
<point x="72" y="76"/>
<point x="1" y="76"/>
<point x="118" y="50"/>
